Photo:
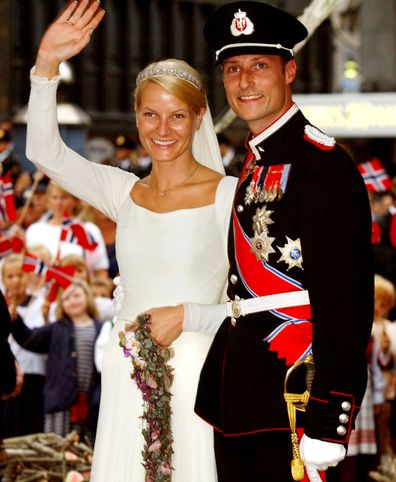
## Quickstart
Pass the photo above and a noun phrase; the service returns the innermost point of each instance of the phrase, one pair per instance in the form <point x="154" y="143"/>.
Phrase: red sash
<point x="261" y="279"/>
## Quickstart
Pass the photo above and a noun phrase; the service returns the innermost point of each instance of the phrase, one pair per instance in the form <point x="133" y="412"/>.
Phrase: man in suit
<point x="300" y="277"/>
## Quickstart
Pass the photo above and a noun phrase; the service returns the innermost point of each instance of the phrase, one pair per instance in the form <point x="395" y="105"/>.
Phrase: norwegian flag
<point x="31" y="264"/>
<point x="62" y="276"/>
<point x="7" y="201"/>
<point x="74" y="232"/>
<point x="56" y="276"/>
<point x="10" y="245"/>
<point x="375" y="176"/>
<point x="59" y="277"/>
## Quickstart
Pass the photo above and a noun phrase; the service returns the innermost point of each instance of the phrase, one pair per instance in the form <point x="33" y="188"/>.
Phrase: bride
<point x="171" y="237"/>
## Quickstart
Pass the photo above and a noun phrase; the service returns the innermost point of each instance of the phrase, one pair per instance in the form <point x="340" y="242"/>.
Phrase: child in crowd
<point x="72" y="387"/>
<point x="385" y="334"/>
<point x="102" y="287"/>
<point x="16" y="412"/>
<point x="103" y="301"/>
<point x="81" y="272"/>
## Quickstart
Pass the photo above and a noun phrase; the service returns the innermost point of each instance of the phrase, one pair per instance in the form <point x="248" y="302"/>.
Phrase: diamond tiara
<point x="159" y="70"/>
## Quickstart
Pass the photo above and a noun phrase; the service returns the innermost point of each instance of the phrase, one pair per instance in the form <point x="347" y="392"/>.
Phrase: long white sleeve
<point x="104" y="187"/>
<point x="203" y="318"/>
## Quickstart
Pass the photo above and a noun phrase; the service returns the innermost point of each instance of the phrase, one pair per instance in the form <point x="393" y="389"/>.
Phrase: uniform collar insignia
<point x="260" y="138"/>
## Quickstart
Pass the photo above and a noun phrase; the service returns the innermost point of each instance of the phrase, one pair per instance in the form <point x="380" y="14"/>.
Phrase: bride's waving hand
<point x="67" y="35"/>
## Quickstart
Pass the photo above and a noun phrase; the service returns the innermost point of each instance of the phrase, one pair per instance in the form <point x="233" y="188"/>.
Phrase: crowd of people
<point x="166" y="203"/>
<point x="52" y="232"/>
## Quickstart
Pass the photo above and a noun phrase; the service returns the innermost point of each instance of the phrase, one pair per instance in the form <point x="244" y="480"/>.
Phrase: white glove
<point x="319" y="455"/>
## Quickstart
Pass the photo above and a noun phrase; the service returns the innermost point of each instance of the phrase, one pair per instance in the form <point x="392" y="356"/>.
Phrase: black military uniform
<point x="301" y="221"/>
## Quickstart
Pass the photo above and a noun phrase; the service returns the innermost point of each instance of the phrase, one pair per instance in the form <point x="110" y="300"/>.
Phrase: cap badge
<point x="241" y="24"/>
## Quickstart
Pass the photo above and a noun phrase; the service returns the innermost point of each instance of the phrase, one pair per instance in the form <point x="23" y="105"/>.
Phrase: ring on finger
<point x="68" y="22"/>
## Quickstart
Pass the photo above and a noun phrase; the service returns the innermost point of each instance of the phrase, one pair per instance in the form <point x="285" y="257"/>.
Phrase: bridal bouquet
<point x="153" y="376"/>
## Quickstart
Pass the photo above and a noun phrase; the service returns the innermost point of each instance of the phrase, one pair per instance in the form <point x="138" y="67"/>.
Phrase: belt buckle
<point x="236" y="310"/>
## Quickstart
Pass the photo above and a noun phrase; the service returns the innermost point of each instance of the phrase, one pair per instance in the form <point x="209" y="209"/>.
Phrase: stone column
<point x="379" y="45"/>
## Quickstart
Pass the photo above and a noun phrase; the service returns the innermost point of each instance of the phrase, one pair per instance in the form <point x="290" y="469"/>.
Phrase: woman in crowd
<point x="48" y="232"/>
<point x="171" y="237"/>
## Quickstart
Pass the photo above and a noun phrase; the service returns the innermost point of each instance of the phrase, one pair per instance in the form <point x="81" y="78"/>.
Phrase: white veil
<point x="205" y="145"/>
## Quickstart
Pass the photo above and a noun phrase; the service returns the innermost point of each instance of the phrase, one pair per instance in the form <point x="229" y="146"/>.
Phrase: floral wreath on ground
<point x="153" y="376"/>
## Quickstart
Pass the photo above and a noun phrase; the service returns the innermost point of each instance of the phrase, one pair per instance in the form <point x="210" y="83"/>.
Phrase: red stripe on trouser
<point x="300" y="433"/>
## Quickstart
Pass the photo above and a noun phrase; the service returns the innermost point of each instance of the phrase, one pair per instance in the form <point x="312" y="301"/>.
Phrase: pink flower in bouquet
<point x="74" y="476"/>
<point x="165" y="469"/>
<point x="154" y="447"/>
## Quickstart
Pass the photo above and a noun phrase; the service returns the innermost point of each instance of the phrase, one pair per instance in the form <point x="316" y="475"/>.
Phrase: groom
<point x="300" y="231"/>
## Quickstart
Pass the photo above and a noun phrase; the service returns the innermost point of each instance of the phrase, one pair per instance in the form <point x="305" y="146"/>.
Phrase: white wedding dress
<point x="164" y="259"/>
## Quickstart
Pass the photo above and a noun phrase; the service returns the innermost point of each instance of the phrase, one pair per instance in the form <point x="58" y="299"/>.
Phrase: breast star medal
<point x="261" y="220"/>
<point x="262" y="245"/>
<point x="261" y="242"/>
<point x="291" y="254"/>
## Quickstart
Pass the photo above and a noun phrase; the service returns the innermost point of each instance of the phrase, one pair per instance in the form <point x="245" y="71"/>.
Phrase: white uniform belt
<point x="240" y="307"/>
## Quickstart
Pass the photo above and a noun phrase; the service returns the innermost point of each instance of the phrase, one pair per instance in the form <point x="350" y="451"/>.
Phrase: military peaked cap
<point x="246" y="27"/>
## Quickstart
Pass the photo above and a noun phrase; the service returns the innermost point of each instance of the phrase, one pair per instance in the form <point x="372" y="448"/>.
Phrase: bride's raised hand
<point x="67" y="35"/>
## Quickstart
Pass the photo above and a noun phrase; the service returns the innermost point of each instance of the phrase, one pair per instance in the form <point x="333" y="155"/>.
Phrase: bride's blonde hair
<point x="178" y="78"/>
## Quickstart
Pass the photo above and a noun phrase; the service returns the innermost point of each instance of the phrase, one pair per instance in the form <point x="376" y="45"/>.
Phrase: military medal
<point x="261" y="220"/>
<point x="268" y="183"/>
<point x="291" y="254"/>
<point x="253" y="190"/>
<point x="274" y="184"/>
<point x="262" y="245"/>
<point x="250" y="194"/>
<point x="248" y="167"/>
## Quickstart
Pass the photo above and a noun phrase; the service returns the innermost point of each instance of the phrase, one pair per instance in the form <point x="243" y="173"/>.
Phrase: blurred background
<point x="344" y="70"/>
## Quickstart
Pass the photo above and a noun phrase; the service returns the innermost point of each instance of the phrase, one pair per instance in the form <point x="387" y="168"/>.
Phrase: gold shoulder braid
<point x="298" y="401"/>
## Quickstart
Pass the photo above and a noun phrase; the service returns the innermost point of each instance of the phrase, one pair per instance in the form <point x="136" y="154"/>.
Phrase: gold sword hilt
<point x="294" y="402"/>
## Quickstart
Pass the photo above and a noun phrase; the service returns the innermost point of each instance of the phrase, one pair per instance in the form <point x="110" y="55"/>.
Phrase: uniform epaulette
<point x="319" y="138"/>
